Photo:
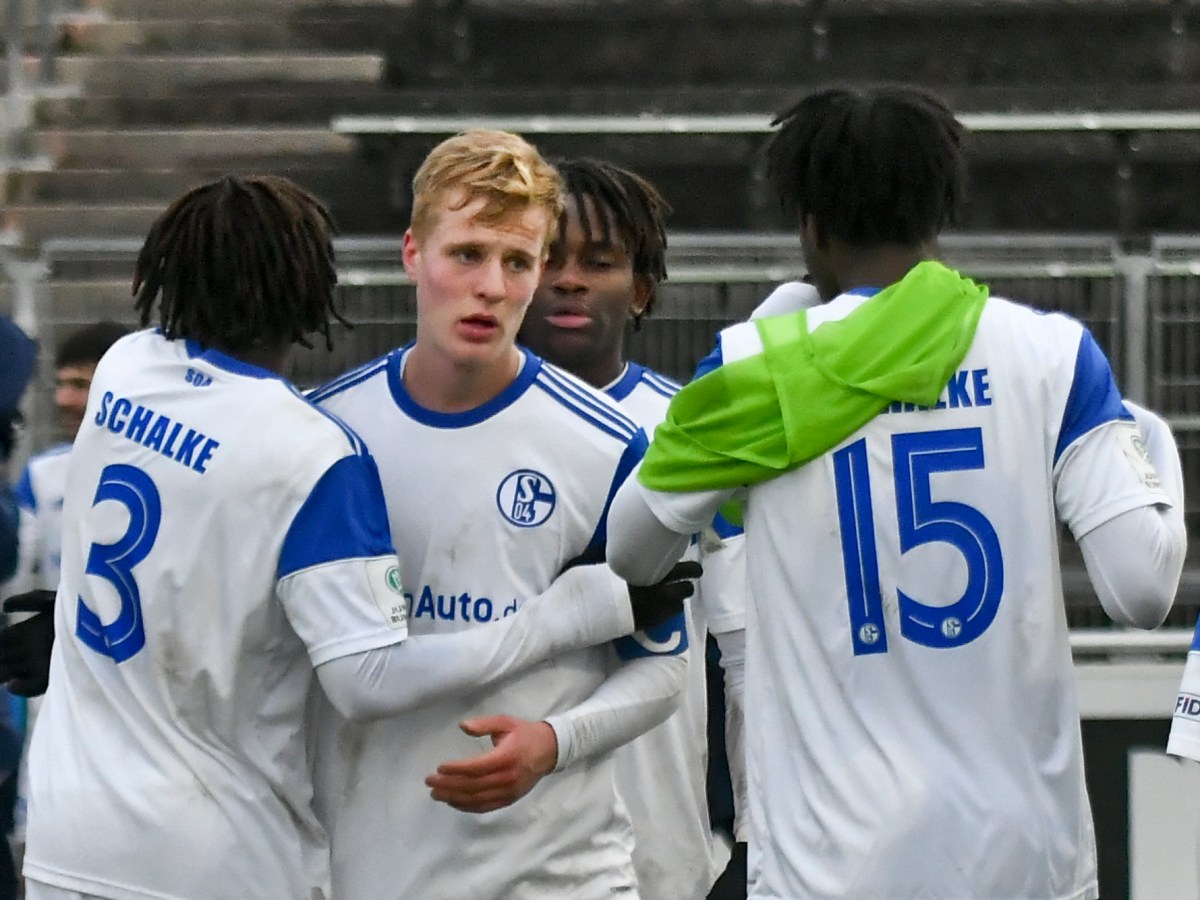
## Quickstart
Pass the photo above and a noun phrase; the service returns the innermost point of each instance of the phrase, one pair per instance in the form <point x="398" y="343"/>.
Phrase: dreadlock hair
<point x="89" y="343"/>
<point x="627" y="204"/>
<point x="240" y="263"/>
<point x="870" y="166"/>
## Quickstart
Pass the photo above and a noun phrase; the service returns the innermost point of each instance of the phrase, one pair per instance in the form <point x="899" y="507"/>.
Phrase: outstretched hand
<point x="522" y="752"/>
<point x="25" y="646"/>
<point x="655" y="603"/>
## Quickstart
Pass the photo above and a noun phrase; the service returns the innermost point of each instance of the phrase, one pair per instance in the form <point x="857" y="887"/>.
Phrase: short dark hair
<point x="86" y="345"/>
<point x="871" y="165"/>
<point x="628" y="202"/>
<point x="240" y="263"/>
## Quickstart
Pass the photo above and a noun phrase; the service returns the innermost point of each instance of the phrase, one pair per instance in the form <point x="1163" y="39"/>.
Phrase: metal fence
<point x="1143" y="310"/>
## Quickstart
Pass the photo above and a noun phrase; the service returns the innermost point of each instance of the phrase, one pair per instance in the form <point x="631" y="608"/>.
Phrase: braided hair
<point x="240" y="263"/>
<point x="870" y="166"/>
<point x="626" y="203"/>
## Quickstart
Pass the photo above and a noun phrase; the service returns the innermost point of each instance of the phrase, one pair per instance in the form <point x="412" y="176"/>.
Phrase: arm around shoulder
<point x="584" y="606"/>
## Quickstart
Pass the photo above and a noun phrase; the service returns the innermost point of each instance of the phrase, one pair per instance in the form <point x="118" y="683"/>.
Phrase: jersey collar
<point x="624" y="384"/>
<point x="530" y="366"/>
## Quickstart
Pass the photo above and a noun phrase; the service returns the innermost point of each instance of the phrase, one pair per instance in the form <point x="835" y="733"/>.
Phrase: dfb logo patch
<point x="526" y="498"/>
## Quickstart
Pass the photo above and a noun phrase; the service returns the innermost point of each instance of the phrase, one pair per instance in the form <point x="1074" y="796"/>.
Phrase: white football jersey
<point x="40" y="501"/>
<point x="222" y="536"/>
<point x="39" y="494"/>
<point x="662" y="775"/>
<point x="486" y="508"/>
<point x="913" y="729"/>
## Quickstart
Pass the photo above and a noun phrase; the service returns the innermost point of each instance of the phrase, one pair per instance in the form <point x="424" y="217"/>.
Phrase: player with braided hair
<point x="222" y="538"/>
<point x="601" y="278"/>
<point x="905" y="449"/>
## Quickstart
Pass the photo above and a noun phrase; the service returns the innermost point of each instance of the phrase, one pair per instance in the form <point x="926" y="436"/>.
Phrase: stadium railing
<point x="1117" y="123"/>
<point x="1143" y="309"/>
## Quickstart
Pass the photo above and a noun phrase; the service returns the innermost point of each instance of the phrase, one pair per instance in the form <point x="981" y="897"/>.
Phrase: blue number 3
<point x="125" y="635"/>
<point x="921" y="520"/>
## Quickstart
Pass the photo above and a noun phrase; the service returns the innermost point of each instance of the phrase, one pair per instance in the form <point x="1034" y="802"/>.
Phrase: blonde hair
<point x="501" y="167"/>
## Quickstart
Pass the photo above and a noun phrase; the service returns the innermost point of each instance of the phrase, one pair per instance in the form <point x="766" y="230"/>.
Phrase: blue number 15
<point x="921" y="520"/>
<point x="125" y="635"/>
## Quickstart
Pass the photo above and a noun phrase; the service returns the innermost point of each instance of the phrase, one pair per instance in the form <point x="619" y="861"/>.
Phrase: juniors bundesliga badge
<point x="526" y="498"/>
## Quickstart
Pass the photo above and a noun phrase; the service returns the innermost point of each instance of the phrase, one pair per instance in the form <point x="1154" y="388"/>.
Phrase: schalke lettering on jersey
<point x="966" y="388"/>
<point x="156" y="431"/>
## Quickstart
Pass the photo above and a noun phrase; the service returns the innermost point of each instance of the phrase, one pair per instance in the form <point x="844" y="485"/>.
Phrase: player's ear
<point x="409" y="253"/>
<point x="643" y="290"/>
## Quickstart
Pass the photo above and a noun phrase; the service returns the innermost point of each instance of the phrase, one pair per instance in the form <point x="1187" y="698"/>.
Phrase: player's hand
<point x="655" y="603"/>
<point x="25" y="645"/>
<point x="522" y="752"/>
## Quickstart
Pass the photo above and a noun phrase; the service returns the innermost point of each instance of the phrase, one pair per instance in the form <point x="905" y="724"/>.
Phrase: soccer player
<point x="905" y="449"/>
<point x="223" y="537"/>
<point x="603" y="272"/>
<point x="18" y="358"/>
<point x="499" y="469"/>
<point x="39" y="493"/>
<point x="43" y="480"/>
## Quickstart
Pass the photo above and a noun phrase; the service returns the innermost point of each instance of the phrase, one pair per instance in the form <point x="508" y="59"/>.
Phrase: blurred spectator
<point x="18" y="353"/>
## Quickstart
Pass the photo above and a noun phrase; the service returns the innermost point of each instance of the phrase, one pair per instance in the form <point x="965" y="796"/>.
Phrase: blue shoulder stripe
<point x="659" y="384"/>
<point x="348" y="379"/>
<point x="23" y="490"/>
<point x="714" y="360"/>
<point x="356" y="442"/>
<point x="576" y="397"/>
<point x="344" y="517"/>
<point x="1094" y="398"/>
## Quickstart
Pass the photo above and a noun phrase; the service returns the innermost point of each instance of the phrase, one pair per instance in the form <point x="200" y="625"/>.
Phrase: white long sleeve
<point x="638" y="695"/>
<point x="584" y="606"/>
<point x="1134" y="560"/>
<point x="641" y="547"/>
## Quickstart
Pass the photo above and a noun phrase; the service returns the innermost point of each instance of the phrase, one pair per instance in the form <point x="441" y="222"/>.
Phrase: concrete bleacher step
<point x="300" y="101"/>
<point x="295" y="102"/>
<point x="338" y="183"/>
<point x="320" y="28"/>
<point x="157" y="9"/>
<point x="166" y="74"/>
<point x="36" y="222"/>
<point x="158" y="148"/>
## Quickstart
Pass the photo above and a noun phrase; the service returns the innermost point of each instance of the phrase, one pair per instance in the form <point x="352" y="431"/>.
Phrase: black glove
<point x="592" y="556"/>
<point x="656" y="603"/>
<point x="25" y="646"/>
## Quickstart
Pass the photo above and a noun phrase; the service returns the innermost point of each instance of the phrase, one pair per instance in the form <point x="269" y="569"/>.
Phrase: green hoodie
<point x="756" y="418"/>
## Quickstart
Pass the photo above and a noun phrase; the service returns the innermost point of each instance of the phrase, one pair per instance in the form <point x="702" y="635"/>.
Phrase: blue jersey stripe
<point x="585" y="399"/>
<point x="713" y="361"/>
<point x="347" y="380"/>
<point x="1094" y="398"/>
<point x="659" y="384"/>
<point x="724" y="528"/>
<point x="624" y="385"/>
<point x="343" y="518"/>
<point x="590" y="406"/>
<point x="23" y="490"/>
<point x="629" y="459"/>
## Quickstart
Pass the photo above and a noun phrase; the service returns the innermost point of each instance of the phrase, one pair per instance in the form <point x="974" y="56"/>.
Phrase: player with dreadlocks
<point x="601" y="278"/>
<point x="905" y="449"/>
<point x="222" y="538"/>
